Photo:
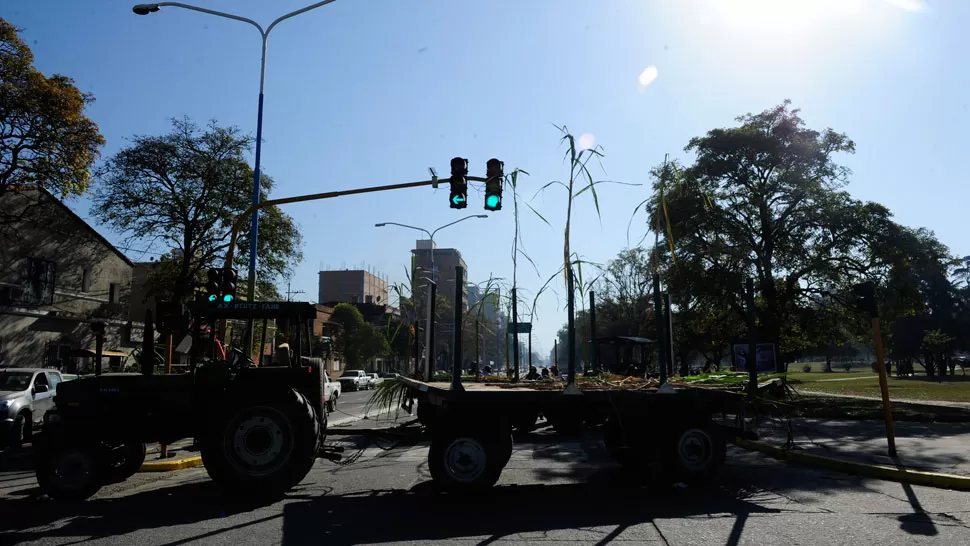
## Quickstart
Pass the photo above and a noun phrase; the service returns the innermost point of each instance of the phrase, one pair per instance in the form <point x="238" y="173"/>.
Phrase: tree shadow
<point x="419" y="514"/>
<point x="181" y="504"/>
<point x="925" y="446"/>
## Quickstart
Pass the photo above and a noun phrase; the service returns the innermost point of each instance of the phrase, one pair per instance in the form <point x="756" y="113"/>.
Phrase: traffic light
<point x="459" y="186"/>
<point x="213" y="285"/>
<point x="494" y="174"/>
<point x="865" y="298"/>
<point x="229" y="279"/>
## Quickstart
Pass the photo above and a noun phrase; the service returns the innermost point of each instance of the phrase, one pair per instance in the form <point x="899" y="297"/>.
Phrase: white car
<point x="331" y="392"/>
<point x="375" y="380"/>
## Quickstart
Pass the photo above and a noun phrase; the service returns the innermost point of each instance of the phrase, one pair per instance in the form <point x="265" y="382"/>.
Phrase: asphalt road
<point x="552" y="492"/>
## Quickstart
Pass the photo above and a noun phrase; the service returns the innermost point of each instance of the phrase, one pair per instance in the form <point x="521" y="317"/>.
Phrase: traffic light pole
<point x="242" y="218"/>
<point x="459" y="292"/>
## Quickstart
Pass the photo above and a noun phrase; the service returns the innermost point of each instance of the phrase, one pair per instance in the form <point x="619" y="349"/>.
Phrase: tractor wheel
<point x="263" y="449"/>
<point x="68" y="473"/>
<point x="695" y="453"/>
<point x="123" y="462"/>
<point x="468" y="457"/>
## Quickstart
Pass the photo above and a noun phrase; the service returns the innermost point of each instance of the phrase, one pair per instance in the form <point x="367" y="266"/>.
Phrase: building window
<point x="38" y="282"/>
<point x="112" y="293"/>
<point x="86" y="279"/>
<point x="369" y="299"/>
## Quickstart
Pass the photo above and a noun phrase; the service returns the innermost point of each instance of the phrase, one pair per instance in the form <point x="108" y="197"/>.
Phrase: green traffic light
<point x="492" y="201"/>
<point x="458" y="199"/>
<point x="212" y="297"/>
<point x="227" y="298"/>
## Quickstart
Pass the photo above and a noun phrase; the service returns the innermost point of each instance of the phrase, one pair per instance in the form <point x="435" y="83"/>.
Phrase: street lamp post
<point x="429" y="330"/>
<point x="145" y="9"/>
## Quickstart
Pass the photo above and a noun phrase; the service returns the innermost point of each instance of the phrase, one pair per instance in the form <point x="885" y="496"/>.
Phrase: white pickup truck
<point x="355" y="380"/>
<point x="331" y="392"/>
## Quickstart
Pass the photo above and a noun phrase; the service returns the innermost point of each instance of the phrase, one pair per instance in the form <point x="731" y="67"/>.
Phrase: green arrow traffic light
<point x="457" y="199"/>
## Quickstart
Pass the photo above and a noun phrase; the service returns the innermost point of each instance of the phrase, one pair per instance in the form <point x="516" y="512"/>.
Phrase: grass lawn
<point x="950" y="389"/>
<point x="809" y="377"/>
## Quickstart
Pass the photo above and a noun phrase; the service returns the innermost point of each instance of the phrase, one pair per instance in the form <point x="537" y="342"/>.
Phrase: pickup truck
<point x="355" y="380"/>
<point x="331" y="392"/>
<point x="25" y="396"/>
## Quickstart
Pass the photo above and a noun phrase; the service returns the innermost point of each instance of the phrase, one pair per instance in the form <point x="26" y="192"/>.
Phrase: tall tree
<point x="765" y="200"/>
<point x="45" y="138"/>
<point x="356" y="339"/>
<point x="186" y="189"/>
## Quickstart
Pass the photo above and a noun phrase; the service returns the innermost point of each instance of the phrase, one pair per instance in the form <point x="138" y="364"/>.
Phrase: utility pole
<point x="292" y="292"/>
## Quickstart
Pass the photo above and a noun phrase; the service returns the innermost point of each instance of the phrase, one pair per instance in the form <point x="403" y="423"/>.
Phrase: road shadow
<point x="181" y="504"/>
<point x="419" y="514"/>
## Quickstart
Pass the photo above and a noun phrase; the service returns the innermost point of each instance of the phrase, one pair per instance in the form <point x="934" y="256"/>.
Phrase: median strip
<point x="168" y="466"/>
<point x="881" y="472"/>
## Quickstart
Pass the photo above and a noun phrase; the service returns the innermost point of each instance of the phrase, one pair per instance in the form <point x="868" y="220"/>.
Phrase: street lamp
<point x="145" y="9"/>
<point x="431" y="233"/>
<point x="429" y="331"/>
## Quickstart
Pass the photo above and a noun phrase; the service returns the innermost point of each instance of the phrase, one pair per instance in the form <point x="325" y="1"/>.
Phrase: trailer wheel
<point x="68" y="473"/>
<point x="526" y="421"/>
<point x="123" y="462"/>
<point x="468" y="461"/>
<point x="264" y="449"/>
<point x="696" y="453"/>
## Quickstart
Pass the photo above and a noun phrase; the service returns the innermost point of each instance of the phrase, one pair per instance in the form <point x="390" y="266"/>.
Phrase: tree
<point x="765" y="200"/>
<point x="186" y="189"/>
<point x="357" y="339"/>
<point x="45" y="138"/>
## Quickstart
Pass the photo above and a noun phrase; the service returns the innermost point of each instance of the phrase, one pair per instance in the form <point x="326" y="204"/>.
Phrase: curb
<point x="882" y="472"/>
<point x="168" y="466"/>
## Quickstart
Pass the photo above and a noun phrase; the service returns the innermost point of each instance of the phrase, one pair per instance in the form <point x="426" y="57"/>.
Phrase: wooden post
<point x="168" y="353"/>
<point x="884" y="387"/>
<point x="751" y="361"/>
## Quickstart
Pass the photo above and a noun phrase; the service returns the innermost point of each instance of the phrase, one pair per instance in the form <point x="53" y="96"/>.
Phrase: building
<point x="351" y="286"/>
<point x="444" y="260"/>
<point x="491" y="307"/>
<point x="58" y="276"/>
<point x="140" y="301"/>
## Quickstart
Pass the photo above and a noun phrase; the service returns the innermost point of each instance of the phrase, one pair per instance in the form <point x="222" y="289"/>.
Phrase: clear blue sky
<point x="364" y="93"/>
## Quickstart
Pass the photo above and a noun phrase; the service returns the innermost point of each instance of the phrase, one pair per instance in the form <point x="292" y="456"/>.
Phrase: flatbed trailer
<point x="668" y="430"/>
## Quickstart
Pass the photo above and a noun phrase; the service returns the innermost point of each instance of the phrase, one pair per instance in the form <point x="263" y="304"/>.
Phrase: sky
<point x="370" y="93"/>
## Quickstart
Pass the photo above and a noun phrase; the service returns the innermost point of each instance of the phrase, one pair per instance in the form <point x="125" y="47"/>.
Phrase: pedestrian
<point x="554" y="371"/>
<point x="545" y="373"/>
<point x="533" y="374"/>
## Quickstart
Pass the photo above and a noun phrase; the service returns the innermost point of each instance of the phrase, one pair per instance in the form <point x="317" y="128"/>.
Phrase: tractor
<point x="259" y="428"/>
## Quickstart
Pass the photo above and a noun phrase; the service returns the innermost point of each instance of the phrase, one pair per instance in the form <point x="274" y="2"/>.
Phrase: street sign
<point x="520" y="327"/>
<point x="765" y="357"/>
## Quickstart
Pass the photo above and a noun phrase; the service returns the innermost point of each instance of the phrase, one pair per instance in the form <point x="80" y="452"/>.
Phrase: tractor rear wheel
<point x="263" y="449"/>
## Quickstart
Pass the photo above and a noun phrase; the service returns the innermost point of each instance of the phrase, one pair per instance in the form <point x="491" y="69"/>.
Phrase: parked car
<point x="375" y="379"/>
<point x="25" y="396"/>
<point x="331" y="392"/>
<point x="391" y="376"/>
<point x="355" y="380"/>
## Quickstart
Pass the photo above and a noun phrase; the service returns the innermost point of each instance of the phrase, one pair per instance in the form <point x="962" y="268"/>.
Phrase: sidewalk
<point x="929" y="447"/>
<point x="941" y="403"/>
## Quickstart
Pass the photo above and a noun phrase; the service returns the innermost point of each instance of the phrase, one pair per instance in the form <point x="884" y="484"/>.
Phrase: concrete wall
<point x="91" y="281"/>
